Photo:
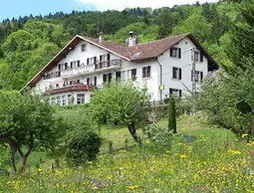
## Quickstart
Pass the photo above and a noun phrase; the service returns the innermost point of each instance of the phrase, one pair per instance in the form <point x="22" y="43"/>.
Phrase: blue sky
<point x="16" y="8"/>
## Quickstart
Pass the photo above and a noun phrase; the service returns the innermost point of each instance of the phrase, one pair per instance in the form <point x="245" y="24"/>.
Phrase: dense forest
<point x="28" y="43"/>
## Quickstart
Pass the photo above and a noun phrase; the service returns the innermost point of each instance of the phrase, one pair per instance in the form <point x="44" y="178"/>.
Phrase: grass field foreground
<point x="214" y="161"/>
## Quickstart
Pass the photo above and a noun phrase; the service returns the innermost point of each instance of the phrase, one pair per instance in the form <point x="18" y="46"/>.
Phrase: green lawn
<point x="216" y="161"/>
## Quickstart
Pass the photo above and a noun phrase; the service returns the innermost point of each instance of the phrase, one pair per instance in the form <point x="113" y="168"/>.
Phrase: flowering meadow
<point x="215" y="160"/>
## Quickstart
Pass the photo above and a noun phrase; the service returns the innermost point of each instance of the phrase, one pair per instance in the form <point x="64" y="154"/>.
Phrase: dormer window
<point x="83" y="47"/>
<point x="175" y="52"/>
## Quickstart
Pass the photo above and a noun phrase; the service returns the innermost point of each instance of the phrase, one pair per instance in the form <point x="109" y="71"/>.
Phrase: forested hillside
<point x="28" y="43"/>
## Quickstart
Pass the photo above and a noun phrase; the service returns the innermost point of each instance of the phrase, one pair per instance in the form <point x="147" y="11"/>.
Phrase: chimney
<point x="132" y="39"/>
<point x="100" y="37"/>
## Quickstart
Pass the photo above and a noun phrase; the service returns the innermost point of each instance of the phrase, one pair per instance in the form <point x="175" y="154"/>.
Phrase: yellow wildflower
<point x="148" y="142"/>
<point x="183" y="156"/>
<point x="251" y="144"/>
<point x="132" y="187"/>
<point x="234" y="152"/>
<point x="244" y="135"/>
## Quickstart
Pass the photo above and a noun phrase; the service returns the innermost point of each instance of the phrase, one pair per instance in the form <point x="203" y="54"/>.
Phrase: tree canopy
<point x="122" y="104"/>
<point x="25" y="121"/>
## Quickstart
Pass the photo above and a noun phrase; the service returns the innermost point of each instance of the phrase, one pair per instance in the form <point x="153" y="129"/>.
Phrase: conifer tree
<point x="172" y="115"/>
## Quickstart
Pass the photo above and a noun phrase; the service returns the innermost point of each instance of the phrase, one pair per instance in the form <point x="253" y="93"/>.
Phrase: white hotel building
<point x="164" y="66"/>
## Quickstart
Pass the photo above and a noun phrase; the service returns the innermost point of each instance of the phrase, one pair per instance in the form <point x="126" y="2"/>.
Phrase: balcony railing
<point x="55" y="74"/>
<point x="107" y="64"/>
<point x="86" y="69"/>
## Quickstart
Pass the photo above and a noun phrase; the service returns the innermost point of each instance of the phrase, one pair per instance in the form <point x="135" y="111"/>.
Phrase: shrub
<point x="83" y="148"/>
<point x="159" y="139"/>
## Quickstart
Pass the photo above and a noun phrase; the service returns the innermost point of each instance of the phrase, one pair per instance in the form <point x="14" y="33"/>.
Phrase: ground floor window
<point x="175" y="92"/>
<point x="63" y="100"/>
<point x="80" y="98"/>
<point x="70" y="99"/>
<point x="58" y="100"/>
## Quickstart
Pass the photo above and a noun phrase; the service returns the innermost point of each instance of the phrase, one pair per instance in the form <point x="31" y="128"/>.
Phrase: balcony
<point x="70" y="88"/>
<point x="51" y="75"/>
<point x="91" y="68"/>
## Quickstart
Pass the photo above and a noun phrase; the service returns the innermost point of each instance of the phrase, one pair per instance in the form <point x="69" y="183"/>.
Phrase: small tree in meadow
<point x="121" y="104"/>
<point x="172" y="115"/>
<point x="26" y="123"/>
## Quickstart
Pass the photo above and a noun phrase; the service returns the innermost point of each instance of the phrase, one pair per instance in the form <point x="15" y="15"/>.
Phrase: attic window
<point x="83" y="47"/>
<point x="175" y="52"/>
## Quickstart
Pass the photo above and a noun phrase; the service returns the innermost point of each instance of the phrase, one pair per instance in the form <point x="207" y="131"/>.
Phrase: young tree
<point x="172" y="115"/>
<point x="122" y="104"/>
<point x="26" y="123"/>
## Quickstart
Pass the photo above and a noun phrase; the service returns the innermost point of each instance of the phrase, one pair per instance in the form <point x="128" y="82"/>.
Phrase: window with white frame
<point x="53" y="100"/>
<point x="175" y="92"/>
<point x="58" y="100"/>
<point x="146" y="72"/>
<point x="91" y="60"/>
<point x="175" y="52"/>
<point x="63" y="100"/>
<point x="70" y="99"/>
<point x="198" y="76"/>
<point x="177" y="73"/>
<point x="80" y="98"/>
<point x="123" y="75"/>
<point x="196" y="55"/>
<point x="133" y="74"/>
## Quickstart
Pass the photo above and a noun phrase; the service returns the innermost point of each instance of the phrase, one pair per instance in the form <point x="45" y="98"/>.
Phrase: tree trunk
<point x="250" y="130"/>
<point x="132" y="131"/>
<point x="25" y="156"/>
<point x="12" y="158"/>
<point x="24" y="162"/>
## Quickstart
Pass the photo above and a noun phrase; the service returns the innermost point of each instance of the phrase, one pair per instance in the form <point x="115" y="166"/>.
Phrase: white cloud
<point x="120" y="5"/>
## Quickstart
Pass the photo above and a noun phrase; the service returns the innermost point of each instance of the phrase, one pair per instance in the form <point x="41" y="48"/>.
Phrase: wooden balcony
<point x="71" y="88"/>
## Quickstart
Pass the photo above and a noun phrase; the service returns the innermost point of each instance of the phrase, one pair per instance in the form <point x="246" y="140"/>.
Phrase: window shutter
<point x="201" y="75"/>
<point x="94" y="60"/>
<point x="143" y="72"/>
<point x="191" y="75"/>
<point x="171" y="52"/>
<point x="87" y="61"/>
<point x="87" y="81"/>
<point x="201" y="57"/>
<point x="95" y="81"/>
<point x="78" y="63"/>
<point x="148" y="71"/>
<point x="180" y="73"/>
<point x="174" y="75"/>
<point x="180" y="93"/>
<point x="104" y="77"/>
<point x="109" y="77"/>
<point x="171" y="91"/>
<point x="179" y="50"/>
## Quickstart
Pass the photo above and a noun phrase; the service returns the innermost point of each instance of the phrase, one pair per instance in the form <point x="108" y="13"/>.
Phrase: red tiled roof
<point x="75" y="87"/>
<point x="141" y="51"/>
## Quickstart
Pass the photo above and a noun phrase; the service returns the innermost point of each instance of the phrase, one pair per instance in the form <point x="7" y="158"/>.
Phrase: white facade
<point x="78" y="67"/>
